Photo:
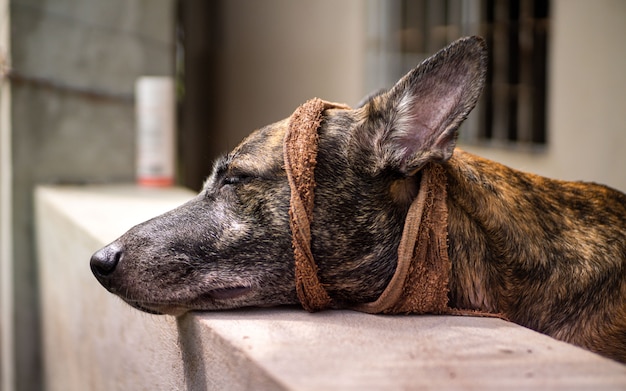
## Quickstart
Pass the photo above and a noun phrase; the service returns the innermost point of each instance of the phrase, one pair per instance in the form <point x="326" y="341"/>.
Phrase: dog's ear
<point x="417" y="120"/>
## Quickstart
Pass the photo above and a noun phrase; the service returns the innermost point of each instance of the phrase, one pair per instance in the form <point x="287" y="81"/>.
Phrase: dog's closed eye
<point x="237" y="179"/>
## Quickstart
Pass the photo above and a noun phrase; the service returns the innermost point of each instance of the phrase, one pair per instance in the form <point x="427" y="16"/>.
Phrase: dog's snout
<point x="105" y="260"/>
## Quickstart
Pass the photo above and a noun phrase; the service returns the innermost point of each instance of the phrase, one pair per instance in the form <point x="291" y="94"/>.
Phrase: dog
<point x="549" y="255"/>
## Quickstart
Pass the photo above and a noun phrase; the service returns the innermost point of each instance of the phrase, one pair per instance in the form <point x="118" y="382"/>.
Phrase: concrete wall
<point x="93" y="341"/>
<point x="73" y="66"/>
<point x="586" y="128"/>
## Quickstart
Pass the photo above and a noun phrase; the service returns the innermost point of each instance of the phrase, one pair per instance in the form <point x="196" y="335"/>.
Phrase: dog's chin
<point x="159" y="309"/>
<point x="221" y="298"/>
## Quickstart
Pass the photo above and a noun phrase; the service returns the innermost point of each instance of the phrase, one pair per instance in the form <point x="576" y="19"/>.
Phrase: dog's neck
<point x="482" y="244"/>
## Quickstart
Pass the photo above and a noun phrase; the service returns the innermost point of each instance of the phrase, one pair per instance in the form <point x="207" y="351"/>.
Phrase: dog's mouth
<point x="228" y="293"/>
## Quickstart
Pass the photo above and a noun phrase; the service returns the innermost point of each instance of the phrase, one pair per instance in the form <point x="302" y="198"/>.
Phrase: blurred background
<point x="554" y="102"/>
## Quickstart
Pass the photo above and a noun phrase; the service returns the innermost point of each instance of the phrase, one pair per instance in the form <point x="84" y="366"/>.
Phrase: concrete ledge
<point x="92" y="340"/>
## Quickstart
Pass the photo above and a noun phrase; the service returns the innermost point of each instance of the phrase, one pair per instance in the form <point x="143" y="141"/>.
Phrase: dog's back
<point x="548" y="254"/>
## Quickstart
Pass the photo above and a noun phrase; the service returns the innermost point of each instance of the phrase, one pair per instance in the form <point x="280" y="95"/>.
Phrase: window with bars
<point x="512" y="109"/>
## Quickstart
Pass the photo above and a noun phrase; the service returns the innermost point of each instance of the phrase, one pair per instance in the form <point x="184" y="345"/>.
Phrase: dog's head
<point x="231" y="245"/>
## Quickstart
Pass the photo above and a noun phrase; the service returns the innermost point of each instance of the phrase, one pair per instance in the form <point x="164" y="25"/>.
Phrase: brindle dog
<point x="547" y="254"/>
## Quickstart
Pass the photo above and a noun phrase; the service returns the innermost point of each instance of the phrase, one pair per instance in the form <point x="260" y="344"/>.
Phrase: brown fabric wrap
<point x="300" y="152"/>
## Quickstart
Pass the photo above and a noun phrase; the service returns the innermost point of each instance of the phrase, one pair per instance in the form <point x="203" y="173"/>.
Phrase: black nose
<point x="105" y="260"/>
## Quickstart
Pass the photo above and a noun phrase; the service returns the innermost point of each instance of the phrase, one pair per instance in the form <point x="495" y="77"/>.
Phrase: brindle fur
<point x="549" y="255"/>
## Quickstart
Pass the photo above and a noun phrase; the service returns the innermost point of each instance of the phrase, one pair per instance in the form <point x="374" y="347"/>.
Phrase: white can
<point x="156" y="123"/>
